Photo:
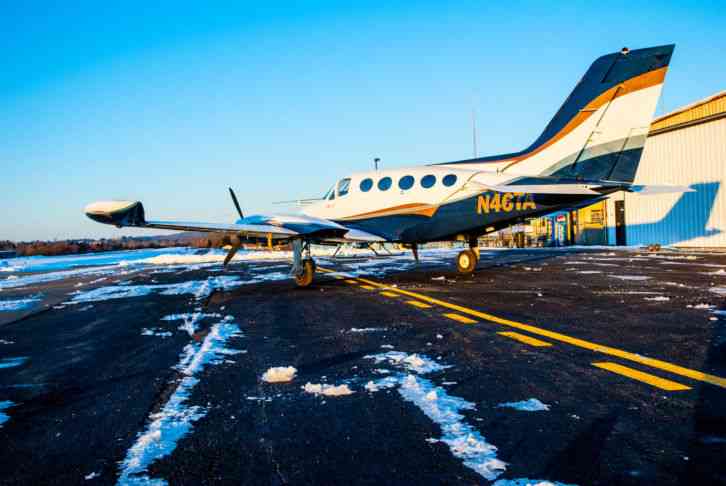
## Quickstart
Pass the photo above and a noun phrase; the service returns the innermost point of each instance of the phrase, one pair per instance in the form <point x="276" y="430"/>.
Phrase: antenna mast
<point x="473" y="130"/>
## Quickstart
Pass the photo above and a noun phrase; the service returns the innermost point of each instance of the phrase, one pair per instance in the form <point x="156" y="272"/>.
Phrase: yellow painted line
<point x="460" y="318"/>
<point x="652" y="380"/>
<point x="581" y="343"/>
<point x="368" y="287"/>
<point x="525" y="339"/>
<point x="392" y="295"/>
<point x="352" y="282"/>
<point x="418" y="304"/>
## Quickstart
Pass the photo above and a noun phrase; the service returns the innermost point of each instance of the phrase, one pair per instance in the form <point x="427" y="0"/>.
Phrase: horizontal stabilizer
<point x="647" y="190"/>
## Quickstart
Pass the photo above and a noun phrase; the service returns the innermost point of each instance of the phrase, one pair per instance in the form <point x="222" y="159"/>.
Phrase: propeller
<point x="236" y="203"/>
<point x="236" y="241"/>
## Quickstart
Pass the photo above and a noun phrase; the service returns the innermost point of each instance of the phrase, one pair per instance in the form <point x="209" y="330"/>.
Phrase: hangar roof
<point x="707" y="109"/>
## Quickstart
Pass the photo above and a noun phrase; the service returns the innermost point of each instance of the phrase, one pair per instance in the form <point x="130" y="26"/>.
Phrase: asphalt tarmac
<point x="624" y="352"/>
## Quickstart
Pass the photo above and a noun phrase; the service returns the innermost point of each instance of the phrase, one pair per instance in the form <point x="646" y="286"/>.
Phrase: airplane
<point x="590" y="149"/>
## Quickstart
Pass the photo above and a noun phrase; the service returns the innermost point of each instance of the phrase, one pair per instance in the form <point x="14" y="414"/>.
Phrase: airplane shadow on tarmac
<point x="686" y="220"/>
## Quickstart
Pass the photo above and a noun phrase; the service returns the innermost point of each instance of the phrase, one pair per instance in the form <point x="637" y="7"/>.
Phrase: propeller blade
<point x="231" y="254"/>
<point x="236" y="203"/>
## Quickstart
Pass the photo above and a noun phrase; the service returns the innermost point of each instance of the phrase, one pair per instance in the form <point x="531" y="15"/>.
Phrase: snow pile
<point x="26" y="280"/>
<point x="413" y="362"/>
<point x="12" y="362"/>
<point x="4" y="405"/>
<point x="327" y="390"/>
<point x="531" y="405"/>
<point x="19" y="304"/>
<point x="176" y="417"/>
<point x="280" y="374"/>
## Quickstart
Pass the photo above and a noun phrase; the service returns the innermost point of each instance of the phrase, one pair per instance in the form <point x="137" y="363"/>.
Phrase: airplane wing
<point x="275" y="227"/>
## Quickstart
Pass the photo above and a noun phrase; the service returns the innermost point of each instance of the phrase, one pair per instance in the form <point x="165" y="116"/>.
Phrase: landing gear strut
<point x="467" y="260"/>
<point x="303" y="268"/>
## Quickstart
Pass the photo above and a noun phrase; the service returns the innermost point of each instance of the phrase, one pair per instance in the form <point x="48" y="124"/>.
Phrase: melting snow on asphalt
<point x="327" y="390"/>
<point x="20" y="304"/>
<point x="12" y="362"/>
<point x="199" y="289"/>
<point x="531" y="405"/>
<point x="4" y="405"/>
<point x="280" y="374"/>
<point x="176" y="417"/>
<point x="190" y="320"/>
<point x="463" y="440"/>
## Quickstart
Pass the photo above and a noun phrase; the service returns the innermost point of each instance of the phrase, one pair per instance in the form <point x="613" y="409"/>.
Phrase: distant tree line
<point x="72" y="247"/>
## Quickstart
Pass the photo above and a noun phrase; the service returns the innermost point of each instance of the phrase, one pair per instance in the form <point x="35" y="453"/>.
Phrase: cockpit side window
<point x="343" y="187"/>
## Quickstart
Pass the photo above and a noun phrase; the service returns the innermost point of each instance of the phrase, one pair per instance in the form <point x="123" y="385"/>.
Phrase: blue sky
<point x="171" y="103"/>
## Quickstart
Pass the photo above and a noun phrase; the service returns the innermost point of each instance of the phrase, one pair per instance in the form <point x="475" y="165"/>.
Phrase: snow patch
<point x="12" y="362"/>
<point x="527" y="482"/>
<point x="413" y="362"/>
<point x="199" y="289"/>
<point x="280" y="374"/>
<point x="531" y="405"/>
<point x="190" y="320"/>
<point x="367" y="329"/>
<point x="463" y="440"/>
<point x="718" y="290"/>
<point x="19" y="304"/>
<point x="659" y="298"/>
<point x="635" y="278"/>
<point x="4" y="405"/>
<point x="327" y="390"/>
<point x="176" y="417"/>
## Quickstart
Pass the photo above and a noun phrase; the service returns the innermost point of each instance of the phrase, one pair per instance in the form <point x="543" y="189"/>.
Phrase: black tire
<point x="466" y="261"/>
<point x="308" y="274"/>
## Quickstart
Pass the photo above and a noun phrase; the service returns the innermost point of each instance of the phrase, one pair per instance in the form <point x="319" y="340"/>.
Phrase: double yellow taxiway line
<point x="468" y="316"/>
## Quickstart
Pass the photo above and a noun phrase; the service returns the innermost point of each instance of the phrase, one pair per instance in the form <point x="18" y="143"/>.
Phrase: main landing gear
<point x="303" y="268"/>
<point x="467" y="260"/>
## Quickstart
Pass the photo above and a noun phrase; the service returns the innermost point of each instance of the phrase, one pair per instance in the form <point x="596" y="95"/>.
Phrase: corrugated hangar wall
<point x="691" y="155"/>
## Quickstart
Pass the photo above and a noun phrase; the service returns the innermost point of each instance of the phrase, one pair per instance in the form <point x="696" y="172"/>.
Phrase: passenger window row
<point x="406" y="182"/>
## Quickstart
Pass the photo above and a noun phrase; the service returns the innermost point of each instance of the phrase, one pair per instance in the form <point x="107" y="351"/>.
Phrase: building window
<point x="405" y="182"/>
<point x="449" y="180"/>
<point x="366" y="184"/>
<point x="428" y="181"/>
<point x="343" y="187"/>
<point x="384" y="184"/>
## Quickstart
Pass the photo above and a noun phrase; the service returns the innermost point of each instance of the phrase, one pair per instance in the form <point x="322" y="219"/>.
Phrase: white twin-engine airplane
<point x="590" y="149"/>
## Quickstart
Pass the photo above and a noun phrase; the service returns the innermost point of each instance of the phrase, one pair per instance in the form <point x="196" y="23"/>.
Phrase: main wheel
<point x="466" y="261"/>
<point x="308" y="273"/>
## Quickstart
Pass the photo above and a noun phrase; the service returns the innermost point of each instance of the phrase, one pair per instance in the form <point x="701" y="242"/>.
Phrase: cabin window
<point x="449" y="180"/>
<point x="384" y="184"/>
<point x="343" y="187"/>
<point x="428" y="181"/>
<point x="366" y="184"/>
<point x="405" y="182"/>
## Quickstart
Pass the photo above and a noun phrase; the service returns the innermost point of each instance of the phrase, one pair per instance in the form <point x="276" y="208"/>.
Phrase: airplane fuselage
<point x="432" y="203"/>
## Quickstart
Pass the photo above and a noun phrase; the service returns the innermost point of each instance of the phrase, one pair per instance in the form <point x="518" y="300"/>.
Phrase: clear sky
<point x="169" y="102"/>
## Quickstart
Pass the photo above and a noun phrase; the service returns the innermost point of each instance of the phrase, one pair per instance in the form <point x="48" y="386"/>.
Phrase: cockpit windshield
<point x="330" y="194"/>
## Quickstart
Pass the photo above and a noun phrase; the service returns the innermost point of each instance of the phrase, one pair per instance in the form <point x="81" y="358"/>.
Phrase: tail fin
<point x="600" y="130"/>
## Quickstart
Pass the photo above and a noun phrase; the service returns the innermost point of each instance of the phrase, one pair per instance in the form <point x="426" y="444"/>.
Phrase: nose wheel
<point x="466" y="261"/>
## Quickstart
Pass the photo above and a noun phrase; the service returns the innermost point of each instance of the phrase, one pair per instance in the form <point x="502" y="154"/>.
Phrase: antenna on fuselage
<point x="375" y="162"/>
<point x="473" y="129"/>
